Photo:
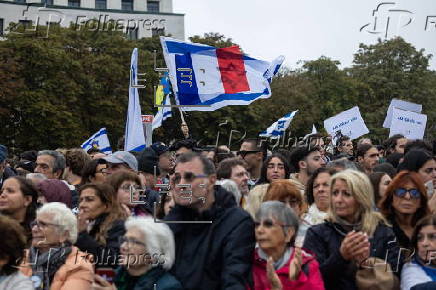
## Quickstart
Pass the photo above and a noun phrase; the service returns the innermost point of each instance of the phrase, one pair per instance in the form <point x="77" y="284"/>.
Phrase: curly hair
<point x="13" y="244"/>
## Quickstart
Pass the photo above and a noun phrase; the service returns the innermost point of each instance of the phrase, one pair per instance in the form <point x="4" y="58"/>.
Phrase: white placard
<point x="410" y="124"/>
<point x="403" y="105"/>
<point x="349" y="122"/>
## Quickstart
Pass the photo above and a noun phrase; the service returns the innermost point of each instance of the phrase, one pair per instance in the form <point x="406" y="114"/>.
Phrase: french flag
<point x="205" y="78"/>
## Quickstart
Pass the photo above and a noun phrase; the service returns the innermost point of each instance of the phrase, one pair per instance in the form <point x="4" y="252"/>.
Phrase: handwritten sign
<point x="410" y="124"/>
<point x="349" y="123"/>
<point x="403" y="105"/>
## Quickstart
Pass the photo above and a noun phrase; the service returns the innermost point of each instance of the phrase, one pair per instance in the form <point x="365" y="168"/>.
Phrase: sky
<point x="309" y="29"/>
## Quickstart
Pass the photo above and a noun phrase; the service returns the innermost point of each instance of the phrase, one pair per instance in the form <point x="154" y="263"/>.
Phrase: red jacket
<point x="309" y="277"/>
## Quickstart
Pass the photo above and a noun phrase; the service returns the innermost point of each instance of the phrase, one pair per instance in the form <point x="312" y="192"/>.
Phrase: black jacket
<point x="104" y="256"/>
<point x="325" y="240"/>
<point x="215" y="255"/>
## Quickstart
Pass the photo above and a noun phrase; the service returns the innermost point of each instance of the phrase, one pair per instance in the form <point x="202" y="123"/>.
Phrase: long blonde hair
<point x="361" y="189"/>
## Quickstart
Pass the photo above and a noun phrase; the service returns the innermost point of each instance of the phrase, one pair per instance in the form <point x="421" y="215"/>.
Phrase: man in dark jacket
<point x="214" y="238"/>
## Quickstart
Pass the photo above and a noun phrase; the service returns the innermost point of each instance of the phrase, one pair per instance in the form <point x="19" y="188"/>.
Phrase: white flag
<point x="135" y="140"/>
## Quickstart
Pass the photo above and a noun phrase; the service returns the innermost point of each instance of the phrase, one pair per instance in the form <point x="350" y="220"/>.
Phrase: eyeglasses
<point x="130" y="241"/>
<point x="244" y="153"/>
<point x="41" y="224"/>
<point x="188" y="176"/>
<point x="268" y="223"/>
<point x="414" y="193"/>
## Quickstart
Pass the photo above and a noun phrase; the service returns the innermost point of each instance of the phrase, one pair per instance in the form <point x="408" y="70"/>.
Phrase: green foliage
<point x="59" y="90"/>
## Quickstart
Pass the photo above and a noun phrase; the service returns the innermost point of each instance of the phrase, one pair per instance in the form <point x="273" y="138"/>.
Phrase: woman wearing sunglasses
<point x="404" y="203"/>
<point x="53" y="262"/>
<point x="420" y="272"/>
<point x="352" y="235"/>
<point x="277" y="264"/>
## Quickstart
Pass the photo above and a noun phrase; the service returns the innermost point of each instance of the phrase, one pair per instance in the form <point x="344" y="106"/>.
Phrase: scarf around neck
<point x="45" y="265"/>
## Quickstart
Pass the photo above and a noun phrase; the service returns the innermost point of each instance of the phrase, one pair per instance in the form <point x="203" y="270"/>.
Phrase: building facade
<point x="135" y="18"/>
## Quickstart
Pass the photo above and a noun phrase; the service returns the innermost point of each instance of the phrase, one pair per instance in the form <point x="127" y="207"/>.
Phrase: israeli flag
<point x="206" y="78"/>
<point x="135" y="139"/>
<point x="279" y="127"/>
<point x="162" y="114"/>
<point x="99" y="141"/>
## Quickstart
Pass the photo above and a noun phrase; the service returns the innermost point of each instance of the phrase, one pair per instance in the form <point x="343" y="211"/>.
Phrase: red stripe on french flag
<point x="232" y="68"/>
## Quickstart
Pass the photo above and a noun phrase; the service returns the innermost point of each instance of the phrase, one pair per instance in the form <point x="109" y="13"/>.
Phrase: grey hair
<point x="231" y="187"/>
<point x="38" y="176"/>
<point x="280" y="212"/>
<point x="63" y="217"/>
<point x="343" y="163"/>
<point x="208" y="167"/>
<point x="158" y="238"/>
<point x="59" y="159"/>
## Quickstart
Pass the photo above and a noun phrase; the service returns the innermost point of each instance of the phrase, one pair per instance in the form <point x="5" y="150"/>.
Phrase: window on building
<point x="127" y="5"/>
<point x="20" y="1"/>
<point x="158" y="32"/>
<point x="74" y="3"/>
<point x="100" y="4"/>
<point x="49" y="2"/>
<point x="132" y="33"/>
<point x="25" y="23"/>
<point x="153" y="6"/>
<point x="1" y="26"/>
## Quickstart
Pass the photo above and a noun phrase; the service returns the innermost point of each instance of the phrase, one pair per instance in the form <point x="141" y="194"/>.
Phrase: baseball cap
<point x="123" y="157"/>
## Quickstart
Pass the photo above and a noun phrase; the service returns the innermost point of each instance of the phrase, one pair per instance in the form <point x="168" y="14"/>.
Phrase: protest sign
<point x="349" y="123"/>
<point x="410" y="124"/>
<point x="404" y="105"/>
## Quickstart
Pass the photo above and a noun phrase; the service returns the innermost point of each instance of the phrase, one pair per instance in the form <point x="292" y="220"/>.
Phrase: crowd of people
<point x="356" y="215"/>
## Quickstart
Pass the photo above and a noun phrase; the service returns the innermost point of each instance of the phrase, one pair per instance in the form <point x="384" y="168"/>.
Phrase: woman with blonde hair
<point x="352" y="234"/>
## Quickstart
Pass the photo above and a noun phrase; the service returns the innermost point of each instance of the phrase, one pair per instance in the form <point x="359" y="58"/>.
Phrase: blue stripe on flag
<point x="178" y="47"/>
<point x="106" y="149"/>
<point x="186" y="82"/>
<point x="91" y="139"/>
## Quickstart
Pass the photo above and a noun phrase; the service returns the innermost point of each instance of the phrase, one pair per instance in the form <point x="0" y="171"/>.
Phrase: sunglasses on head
<point x="414" y="193"/>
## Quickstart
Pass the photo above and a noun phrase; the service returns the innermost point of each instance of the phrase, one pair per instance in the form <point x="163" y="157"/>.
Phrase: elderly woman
<point x="276" y="261"/>
<point x="18" y="199"/>
<point x="147" y="253"/>
<point x="352" y="233"/>
<point x="11" y="254"/>
<point x="52" y="261"/>
<point x="420" y="272"/>
<point x="404" y="203"/>
<point x="100" y="223"/>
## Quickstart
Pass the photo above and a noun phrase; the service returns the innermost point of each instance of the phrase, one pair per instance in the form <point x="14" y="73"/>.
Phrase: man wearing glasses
<point x="214" y="238"/>
<point x="253" y="153"/>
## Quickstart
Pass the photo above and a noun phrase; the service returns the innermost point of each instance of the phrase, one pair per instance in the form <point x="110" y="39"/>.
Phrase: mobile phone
<point x="430" y="188"/>
<point x="107" y="273"/>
